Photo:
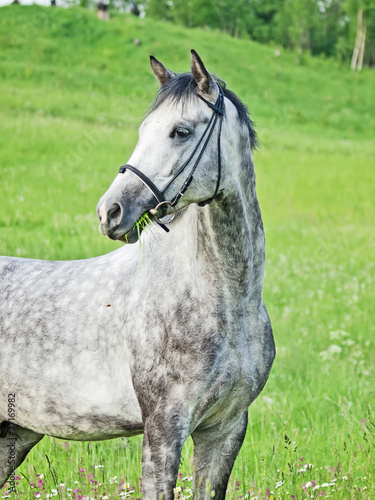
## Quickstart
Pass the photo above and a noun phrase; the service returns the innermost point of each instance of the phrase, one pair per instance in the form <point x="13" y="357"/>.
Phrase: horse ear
<point x="200" y="74"/>
<point x="161" y="72"/>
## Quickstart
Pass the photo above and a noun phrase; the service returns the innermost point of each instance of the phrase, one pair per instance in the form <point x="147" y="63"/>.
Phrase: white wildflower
<point x="348" y="342"/>
<point x="329" y="353"/>
<point x="306" y="467"/>
<point x="338" y="334"/>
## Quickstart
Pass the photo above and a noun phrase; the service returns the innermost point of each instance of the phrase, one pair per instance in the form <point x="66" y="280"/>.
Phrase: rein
<point x="162" y="203"/>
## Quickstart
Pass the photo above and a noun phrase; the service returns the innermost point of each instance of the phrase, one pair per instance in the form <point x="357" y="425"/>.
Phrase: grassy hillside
<point x="73" y="91"/>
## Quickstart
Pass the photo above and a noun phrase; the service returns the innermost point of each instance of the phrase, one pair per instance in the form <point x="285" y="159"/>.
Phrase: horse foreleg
<point x="15" y="443"/>
<point x="215" y="450"/>
<point x="162" y="445"/>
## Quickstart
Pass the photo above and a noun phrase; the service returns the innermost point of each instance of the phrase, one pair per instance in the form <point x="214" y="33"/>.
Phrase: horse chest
<point x="200" y="369"/>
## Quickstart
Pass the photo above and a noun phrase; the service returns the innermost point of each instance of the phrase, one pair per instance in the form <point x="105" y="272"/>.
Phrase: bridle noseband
<point x="162" y="203"/>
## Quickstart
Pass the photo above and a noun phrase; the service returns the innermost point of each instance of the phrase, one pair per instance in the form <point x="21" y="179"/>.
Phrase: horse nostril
<point x="115" y="212"/>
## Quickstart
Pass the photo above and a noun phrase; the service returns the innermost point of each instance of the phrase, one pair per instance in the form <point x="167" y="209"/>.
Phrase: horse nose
<point x="109" y="216"/>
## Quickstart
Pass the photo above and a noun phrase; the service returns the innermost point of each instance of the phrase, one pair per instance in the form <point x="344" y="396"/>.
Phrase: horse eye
<point x="181" y="132"/>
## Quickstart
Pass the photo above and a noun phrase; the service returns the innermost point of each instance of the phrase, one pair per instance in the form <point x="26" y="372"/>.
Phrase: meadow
<point x="73" y="91"/>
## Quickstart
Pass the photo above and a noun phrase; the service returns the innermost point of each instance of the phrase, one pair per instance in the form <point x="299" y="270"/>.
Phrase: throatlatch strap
<point x="218" y="108"/>
<point x="218" y="114"/>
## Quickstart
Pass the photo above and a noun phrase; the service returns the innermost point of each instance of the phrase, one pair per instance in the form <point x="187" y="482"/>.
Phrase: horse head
<point x="186" y="145"/>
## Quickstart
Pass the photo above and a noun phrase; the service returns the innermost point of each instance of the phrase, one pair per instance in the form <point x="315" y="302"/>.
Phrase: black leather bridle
<point x="162" y="203"/>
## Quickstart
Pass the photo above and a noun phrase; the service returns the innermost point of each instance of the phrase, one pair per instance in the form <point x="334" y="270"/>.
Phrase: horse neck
<point x="231" y="240"/>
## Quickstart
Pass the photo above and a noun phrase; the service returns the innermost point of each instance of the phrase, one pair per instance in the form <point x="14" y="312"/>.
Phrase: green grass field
<point x="73" y="91"/>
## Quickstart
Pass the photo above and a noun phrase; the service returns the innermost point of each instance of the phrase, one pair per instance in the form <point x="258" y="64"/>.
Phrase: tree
<point x="261" y="19"/>
<point x="296" y="21"/>
<point x="330" y="27"/>
<point x="362" y="15"/>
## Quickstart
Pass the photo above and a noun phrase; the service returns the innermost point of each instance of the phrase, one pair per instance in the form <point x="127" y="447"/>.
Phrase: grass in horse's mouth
<point x="140" y="225"/>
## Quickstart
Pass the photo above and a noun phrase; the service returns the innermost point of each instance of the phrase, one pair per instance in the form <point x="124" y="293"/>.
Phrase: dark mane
<point x="184" y="87"/>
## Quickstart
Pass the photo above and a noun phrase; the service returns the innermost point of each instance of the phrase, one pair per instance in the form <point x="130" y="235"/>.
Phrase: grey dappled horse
<point x="169" y="338"/>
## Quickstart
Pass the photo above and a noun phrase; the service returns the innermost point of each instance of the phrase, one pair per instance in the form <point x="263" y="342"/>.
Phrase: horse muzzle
<point x="118" y="222"/>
